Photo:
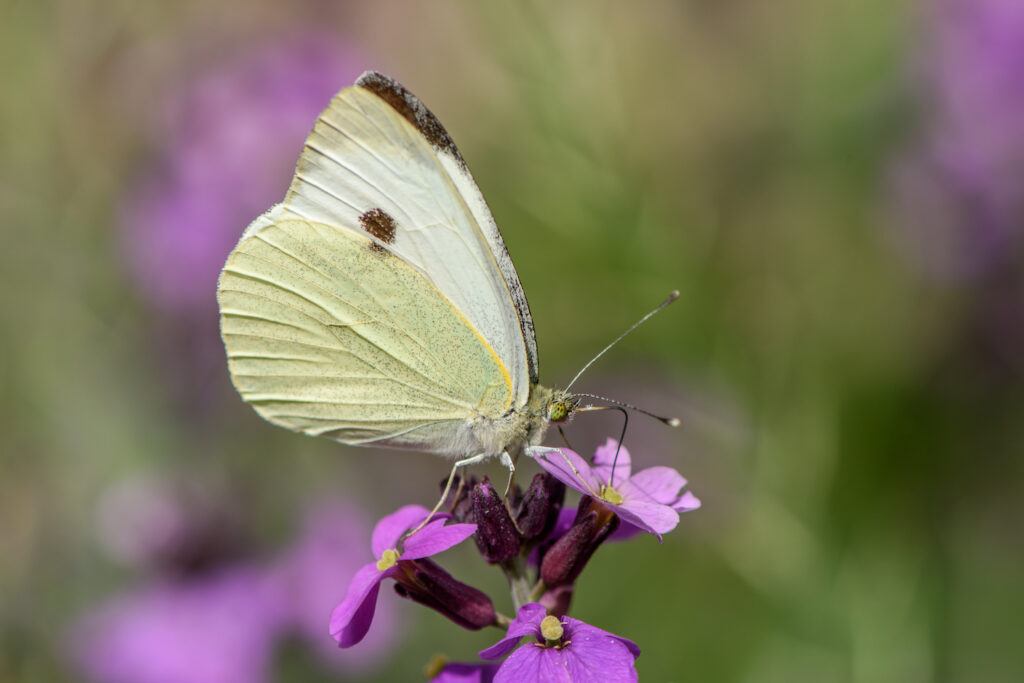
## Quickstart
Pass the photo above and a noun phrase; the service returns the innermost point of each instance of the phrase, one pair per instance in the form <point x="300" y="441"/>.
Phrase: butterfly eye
<point x="558" y="411"/>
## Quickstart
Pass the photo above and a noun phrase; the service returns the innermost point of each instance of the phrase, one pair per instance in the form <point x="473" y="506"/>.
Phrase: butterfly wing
<point x="377" y="151"/>
<point x="331" y="334"/>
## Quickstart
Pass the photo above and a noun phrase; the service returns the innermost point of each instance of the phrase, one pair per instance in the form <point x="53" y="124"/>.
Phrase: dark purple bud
<point x="458" y="501"/>
<point x="425" y="582"/>
<point x="496" y="535"/>
<point x="564" y="561"/>
<point x="539" y="508"/>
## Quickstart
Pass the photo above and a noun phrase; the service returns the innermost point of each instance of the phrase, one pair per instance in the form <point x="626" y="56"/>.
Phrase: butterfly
<point x="377" y="304"/>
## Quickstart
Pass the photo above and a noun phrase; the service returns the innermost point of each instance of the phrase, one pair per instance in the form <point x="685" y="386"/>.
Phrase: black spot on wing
<point x="412" y="110"/>
<point x="378" y="223"/>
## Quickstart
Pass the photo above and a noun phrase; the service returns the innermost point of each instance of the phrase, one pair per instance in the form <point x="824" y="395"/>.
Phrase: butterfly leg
<point x="476" y="459"/>
<point x="506" y="460"/>
<point x="536" y="451"/>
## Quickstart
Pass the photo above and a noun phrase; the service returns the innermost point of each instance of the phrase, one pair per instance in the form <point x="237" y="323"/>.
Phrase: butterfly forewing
<point x="379" y="164"/>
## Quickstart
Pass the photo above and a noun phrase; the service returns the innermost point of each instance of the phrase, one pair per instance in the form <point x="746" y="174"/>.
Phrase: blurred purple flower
<point x="649" y="499"/>
<point x="960" y="188"/>
<point x="564" y="649"/>
<point x="218" y="629"/>
<point x="217" y="618"/>
<point x="169" y="527"/>
<point x="225" y="155"/>
<point x="396" y="558"/>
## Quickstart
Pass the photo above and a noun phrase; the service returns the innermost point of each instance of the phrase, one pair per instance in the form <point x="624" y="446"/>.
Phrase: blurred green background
<point x="850" y="392"/>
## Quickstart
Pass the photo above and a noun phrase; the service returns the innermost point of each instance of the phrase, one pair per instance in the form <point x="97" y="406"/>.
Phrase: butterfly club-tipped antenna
<point x="622" y="407"/>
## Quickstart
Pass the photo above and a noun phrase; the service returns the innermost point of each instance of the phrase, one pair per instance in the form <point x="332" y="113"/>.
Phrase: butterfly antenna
<point x="622" y="436"/>
<point x="670" y="421"/>
<point x="565" y="438"/>
<point x="671" y="297"/>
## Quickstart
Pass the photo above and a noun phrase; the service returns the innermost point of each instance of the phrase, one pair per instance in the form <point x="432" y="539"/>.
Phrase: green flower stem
<point x="518" y="583"/>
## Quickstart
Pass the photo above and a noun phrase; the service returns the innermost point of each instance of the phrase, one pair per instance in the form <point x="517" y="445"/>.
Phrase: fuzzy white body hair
<point x="509" y="433"/>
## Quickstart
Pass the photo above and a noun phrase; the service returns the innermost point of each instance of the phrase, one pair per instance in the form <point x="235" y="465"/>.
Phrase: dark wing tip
<point x="412" y="110"/>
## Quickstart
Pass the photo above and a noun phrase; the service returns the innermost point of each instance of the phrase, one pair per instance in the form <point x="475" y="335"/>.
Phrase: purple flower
<point x="226" y="153"/>
<point x="649" y="499"/>
<point x="420" y="579"/>
<point x="564" y="649"/>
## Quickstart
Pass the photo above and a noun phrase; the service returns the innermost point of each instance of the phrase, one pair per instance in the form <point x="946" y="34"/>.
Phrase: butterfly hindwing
<point x="331" y="334"/>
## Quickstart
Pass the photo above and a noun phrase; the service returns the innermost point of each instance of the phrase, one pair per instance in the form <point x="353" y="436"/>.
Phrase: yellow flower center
<point x="434" y="666"/>
<point x="388" y="559"/>
<point x="611" y="495"/>
<point x="551" y="629"/>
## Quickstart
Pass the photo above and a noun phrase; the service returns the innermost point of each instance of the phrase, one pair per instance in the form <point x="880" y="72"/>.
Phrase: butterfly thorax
<point x="519" y="427"/>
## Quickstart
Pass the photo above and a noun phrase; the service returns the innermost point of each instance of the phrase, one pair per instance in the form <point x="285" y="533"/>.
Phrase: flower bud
<point x="458" y="501"/>
<point x="496" y="535"/>
<point x="538" y="510"/>
<point x="564" y="561"/>
<point x="425" y="582"/>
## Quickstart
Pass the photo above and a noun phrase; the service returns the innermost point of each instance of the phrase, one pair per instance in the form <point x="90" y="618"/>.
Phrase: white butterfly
<point x="377" y="304"/>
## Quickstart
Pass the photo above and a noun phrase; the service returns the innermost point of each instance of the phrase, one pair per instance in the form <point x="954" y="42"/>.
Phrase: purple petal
<point x="527" y="622"/>
<point x="656" y="518"/>
<point x="577" y="629"/>
<point x="533" y="662"/>
<point x="686" y="502"/>
<point x="501" y="648"/>
<point x="351" y="619"/>
<point x="560" y="462"/>
<point x="626" y="531"/>
<point x="434" y="538"/>
<point x="656" y="484"/>
<point x="605" y="456"/>
<point x="459" y="672"/>
<point x="390" y="529"/>
<point x="596" y="655"/>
